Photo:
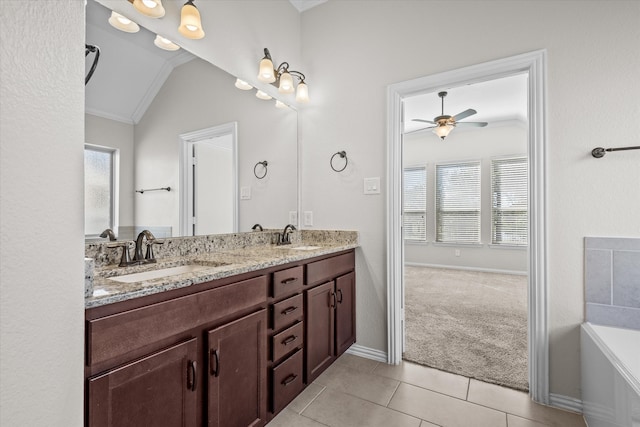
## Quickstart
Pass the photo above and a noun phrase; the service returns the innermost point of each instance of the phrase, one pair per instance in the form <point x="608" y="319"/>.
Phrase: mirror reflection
<point x="156" y="110"/>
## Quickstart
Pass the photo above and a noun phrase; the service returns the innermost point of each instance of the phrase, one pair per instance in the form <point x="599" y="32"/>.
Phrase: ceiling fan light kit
<point x="444" y="124"/>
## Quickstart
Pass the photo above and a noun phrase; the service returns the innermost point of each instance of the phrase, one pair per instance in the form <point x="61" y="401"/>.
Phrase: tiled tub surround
<point x="612" y="281"/>
<point x="224" y="255"/>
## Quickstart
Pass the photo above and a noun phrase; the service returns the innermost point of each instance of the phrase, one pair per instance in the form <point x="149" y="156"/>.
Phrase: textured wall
<point x="41" y="213"/>
<point x="353" y="53"/>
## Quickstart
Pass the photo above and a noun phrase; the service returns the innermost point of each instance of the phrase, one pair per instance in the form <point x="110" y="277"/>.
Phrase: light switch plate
<point x="293" y="217"/>
<point x="245" y="193"/>
<point x="372" y="185"/>
<point x="308" y="218"/>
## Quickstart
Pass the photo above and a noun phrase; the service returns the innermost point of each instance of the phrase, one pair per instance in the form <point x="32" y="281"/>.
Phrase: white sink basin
<point x="304" y="248"/>
<point x="156" y="274"/>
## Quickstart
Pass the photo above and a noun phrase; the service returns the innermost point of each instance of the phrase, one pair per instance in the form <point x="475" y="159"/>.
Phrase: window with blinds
<point x="509" y="201"/>
<point x="458" y="202"/>
<point x="415" y="203"/>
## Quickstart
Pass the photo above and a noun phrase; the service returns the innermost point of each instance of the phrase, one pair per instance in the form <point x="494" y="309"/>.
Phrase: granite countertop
<point x="211" y="266"/>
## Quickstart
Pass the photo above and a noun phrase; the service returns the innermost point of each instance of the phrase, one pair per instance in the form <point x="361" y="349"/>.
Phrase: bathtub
<point x="610" y="376"/>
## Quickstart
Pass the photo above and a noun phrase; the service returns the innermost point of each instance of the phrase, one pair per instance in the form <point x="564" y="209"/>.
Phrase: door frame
<point x="533" y="63"/>
<point x="186" y="196"/>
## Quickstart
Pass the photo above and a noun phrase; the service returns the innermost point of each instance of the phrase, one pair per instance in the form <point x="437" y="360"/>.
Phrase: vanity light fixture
<point x="190" y="22"/>
<point x="281" y="105"/>
<point x="165" y="44"/>
<point x="123" y="23"/>
<point x="242" y="85"/>
<point x="263" y="95"/>
<point x="282" y="77"/>
<point x="150" y="8"/>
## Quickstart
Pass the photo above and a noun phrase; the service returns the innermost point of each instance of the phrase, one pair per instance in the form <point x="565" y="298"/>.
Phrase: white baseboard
<point x="458" y="267"/>
<point x="368" y="353"/>
<point x="565" y="402"/>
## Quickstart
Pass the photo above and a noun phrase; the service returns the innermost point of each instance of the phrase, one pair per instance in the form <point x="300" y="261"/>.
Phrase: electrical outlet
<point x="457" y="252"/>
<point x="308" y="218"/>
<point x="293" y="217"/>
<point x="245" y="193"/>
<point x="372" y="185"/>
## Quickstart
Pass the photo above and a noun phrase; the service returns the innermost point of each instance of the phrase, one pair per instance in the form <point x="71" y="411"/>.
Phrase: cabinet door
<point x="157" y="390"/>
<point x="345" y="312"/>
<point x="319" y="317"/>
<point x="237" y="393"/>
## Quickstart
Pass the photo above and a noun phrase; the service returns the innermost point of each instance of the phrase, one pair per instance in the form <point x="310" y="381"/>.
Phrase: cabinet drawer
<point x="119" y="334"/>
<point x="286" y="341"/>
<point x="327" y="269"/>
<point x="287" y="312"/>
<point x="287" y="281"/>
<point x="287" y="381"/>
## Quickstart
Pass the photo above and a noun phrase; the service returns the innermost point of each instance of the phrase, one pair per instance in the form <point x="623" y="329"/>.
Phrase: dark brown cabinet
<point x="237" y="378"/>
<point x="320" y="339"/>
<point x="159" y="389"/>
<point x="345" y="312"/>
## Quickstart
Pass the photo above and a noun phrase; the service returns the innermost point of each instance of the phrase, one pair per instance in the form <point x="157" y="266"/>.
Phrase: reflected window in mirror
<point x="100" y="189"/>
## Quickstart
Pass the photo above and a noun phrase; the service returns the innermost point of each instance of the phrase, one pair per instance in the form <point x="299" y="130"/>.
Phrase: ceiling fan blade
<point x="424" y="121"/>
<point x="471" y="124"/>
<point x="418" y="130"/>
<point x="466" y="113"/>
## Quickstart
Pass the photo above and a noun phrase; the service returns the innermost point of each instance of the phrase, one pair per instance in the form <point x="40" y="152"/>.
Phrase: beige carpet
<point x="469" y="323"/>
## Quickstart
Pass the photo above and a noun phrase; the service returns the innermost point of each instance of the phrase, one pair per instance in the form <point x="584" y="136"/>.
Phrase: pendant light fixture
<point x="150" y="8"/>
<point x="123" y="23"/>
<point x="165" y="44"/>
<point x="282" y="77"/>
<point x="190" y="22"/>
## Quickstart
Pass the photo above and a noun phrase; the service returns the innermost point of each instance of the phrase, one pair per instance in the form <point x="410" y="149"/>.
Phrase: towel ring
<point x="343" y="155"/>
<point x="264" y="165"/>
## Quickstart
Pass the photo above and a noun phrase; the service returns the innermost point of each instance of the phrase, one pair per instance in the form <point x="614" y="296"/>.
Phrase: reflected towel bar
<point x="153" y="189"/>
<point x="600" y="152"/>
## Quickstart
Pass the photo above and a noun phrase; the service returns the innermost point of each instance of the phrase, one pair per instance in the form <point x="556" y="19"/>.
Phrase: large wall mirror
<point x="142" y="101"/>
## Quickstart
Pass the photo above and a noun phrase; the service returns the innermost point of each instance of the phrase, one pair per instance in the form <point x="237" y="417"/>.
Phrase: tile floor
<point x="358" y="392"/>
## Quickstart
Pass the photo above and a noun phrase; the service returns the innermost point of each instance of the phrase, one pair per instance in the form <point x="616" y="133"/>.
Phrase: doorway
<point x="533" y="64"/>
<point x="465" y="213"/>
<point x="208" y="181"/>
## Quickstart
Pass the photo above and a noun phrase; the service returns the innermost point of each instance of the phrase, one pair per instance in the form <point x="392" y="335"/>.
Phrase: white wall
<point x="41" y="213"/>
<point x="111" y="133"/>
<point x="483" y="144"/>
<point x="353" y="53"/>
<point x="196" y="96"/>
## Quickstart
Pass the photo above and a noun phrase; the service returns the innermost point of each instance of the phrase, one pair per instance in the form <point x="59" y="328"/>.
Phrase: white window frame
<point x="413" y="212"/>
<point x="438" y="210"/>
<point x="494" y="209"/>
<point x="115" y="186"/>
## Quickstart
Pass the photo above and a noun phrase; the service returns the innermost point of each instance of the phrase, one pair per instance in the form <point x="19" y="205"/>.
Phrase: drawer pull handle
<point x="289" y="280"/>
<point x="215" y="367"/>
<point x="289" y="339"/>
<point x="289" y="310"/>
<point x="340" y="296"/>
<point x="192" y="378"/>
<point x="291" y="378"/>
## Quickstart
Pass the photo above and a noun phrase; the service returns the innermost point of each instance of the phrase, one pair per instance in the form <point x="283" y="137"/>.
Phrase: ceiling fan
<point x="444" y="124"/>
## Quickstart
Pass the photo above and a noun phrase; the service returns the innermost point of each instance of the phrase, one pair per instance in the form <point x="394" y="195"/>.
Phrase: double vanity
<point x="222" y="330"/>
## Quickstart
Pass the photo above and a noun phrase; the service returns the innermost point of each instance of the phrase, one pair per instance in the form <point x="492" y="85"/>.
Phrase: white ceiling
<point x="131" y="69"/>
<point x="500" y="100"/>
<point x="303" y="5"/>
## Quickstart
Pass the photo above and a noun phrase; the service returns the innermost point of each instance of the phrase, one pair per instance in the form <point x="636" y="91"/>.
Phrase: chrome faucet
<point x="284" y="237"/>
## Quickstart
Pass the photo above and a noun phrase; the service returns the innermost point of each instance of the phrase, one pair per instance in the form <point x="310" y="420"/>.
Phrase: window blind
<point x="415" y="203"/>
<point x="458" y="202"/>
<point x="509" y="201"/>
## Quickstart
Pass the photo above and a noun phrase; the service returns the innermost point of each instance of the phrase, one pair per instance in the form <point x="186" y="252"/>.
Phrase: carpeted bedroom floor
<point x="469" y="323"/>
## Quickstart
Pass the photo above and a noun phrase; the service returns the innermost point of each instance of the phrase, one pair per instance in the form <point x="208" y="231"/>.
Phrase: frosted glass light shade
<point x="280" y="104"/>
<point x="443" y="131"/>
<point x="263" y="95"/>
<point x="266" y="71"/>
<point x="302" y="93"/>
<point x="123" y="23"/>
<point x="286" y="83"/>
<point x="190" y="23"/>
<point x="165" y="44"/>
<point x="242" y="85"/>
<point x="151" y="8"/>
